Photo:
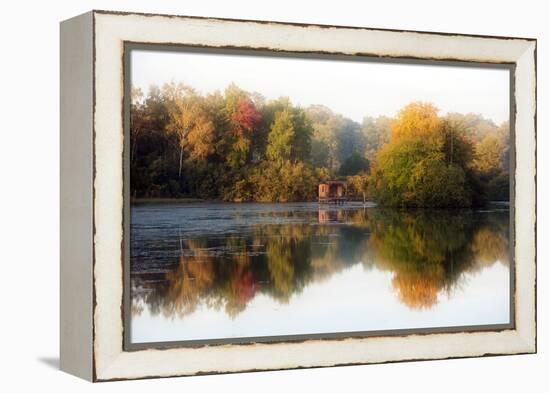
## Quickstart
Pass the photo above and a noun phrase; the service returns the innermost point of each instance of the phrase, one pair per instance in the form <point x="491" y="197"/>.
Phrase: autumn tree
<point x="357" y="186"/>
<point x="474" y="126"/>
<point x="153" y="152"/>
<point x="424" y="163"/>
<point x="190" y="123"/>
<point x="417" y="120"/>
<point x="243" y="119"/>
<point x="488" y="155"/>
<point x="138" y="119"/>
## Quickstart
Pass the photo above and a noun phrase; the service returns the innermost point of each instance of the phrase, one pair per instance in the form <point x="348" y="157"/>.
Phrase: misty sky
<point x="351" y="88"/>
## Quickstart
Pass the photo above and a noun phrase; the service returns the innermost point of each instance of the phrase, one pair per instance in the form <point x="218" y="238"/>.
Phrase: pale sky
<point x="351" y="88"/>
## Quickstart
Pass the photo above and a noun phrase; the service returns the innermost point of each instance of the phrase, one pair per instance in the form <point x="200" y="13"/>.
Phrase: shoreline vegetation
<point x="352" y="202"/>
<point x="171" y="200"/>
<point x="237" y="146"/>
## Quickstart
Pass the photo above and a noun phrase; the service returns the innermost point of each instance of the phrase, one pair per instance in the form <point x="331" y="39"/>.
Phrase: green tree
<point x="324" y="147"/>
<point x="280" y="138"/>
<point x="290" y="136"/>
<point x="350" y="140"/>
<point x="354" y="164"/>
<point x="376" y="132"/>
<point x="498" y="188"/>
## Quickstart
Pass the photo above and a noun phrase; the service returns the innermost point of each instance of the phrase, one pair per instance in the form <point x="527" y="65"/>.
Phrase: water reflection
<point x="428" y="252"/>
<point x="279" y="253"/>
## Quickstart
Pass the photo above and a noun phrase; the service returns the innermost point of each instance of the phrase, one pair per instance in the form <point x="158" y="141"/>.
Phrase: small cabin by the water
<point x="332" y="192"/>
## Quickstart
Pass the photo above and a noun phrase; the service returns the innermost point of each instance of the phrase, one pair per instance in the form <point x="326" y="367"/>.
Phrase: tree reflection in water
<point x="427" y="253"/>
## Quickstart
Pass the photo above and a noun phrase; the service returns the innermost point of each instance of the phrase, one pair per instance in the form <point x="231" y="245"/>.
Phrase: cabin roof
<point x="333" y="182"/>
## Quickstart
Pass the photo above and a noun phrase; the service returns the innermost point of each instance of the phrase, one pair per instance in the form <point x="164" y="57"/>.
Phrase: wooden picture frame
<point x="94" y="195"/>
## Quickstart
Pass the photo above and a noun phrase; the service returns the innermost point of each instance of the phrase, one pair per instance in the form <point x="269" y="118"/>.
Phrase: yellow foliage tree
<point x="489" y="153"/>
<point x="416" y="120"/>
<point x="190" y="122"/>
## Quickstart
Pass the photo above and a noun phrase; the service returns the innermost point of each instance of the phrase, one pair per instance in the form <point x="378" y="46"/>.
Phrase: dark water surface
<point x="207" y="271"/>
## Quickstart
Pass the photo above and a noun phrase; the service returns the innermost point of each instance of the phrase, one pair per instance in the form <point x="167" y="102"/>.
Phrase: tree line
<point x="238" y="146"/>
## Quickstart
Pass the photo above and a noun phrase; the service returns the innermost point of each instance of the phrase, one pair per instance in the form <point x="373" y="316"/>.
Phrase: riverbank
<point x="135" y="201"/>
<point x="169" y="200"/>
<point x="138" y="201"/>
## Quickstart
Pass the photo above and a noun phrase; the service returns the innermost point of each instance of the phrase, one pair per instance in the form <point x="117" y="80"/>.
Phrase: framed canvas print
<point x="247" y="195"/>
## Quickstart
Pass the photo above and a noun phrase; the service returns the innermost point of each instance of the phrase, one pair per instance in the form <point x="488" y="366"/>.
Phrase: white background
<point x="29" y="197"/>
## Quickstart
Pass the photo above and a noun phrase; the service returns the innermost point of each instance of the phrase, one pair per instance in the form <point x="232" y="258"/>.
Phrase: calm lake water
<point x="210" y="271"/>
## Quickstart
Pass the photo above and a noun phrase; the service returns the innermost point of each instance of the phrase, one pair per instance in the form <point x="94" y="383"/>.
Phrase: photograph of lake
<point x="277" y="197"/>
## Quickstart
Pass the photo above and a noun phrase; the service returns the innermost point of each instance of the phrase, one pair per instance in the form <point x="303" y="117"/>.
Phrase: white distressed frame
<point x="110" y="31"/>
